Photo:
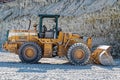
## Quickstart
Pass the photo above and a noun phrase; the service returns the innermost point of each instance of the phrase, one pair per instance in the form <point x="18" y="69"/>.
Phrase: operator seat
<point x="44" y="29"/>
<point x="42" y="34"/>
<point x="50" y="33"/>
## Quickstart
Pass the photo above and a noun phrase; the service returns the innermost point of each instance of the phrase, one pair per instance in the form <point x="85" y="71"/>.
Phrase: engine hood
<point x="21" y="33"/>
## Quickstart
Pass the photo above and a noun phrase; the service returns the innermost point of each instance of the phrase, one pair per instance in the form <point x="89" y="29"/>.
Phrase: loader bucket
<point x="102" y="56"/>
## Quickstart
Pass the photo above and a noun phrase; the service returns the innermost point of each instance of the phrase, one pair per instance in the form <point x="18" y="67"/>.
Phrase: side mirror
<point x="35" y="26"/>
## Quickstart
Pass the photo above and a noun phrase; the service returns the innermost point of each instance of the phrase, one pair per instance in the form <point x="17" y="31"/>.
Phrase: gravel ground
<point x="54" y="69"/>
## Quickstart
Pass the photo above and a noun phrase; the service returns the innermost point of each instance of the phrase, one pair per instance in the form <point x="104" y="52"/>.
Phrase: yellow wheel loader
<point x="32" y="45"/>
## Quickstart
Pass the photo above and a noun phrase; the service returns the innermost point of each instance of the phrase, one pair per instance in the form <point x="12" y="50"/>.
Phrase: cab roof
<point x="48" y="15"/>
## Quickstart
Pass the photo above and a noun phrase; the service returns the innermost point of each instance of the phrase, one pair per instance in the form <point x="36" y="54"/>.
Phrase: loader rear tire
<point x="78" y="54"/>
<point x="30" y="52"/>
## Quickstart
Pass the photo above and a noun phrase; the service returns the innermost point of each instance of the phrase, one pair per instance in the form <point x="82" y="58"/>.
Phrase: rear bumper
<point x="4" y="46"/>
<point x="11" y="47"/>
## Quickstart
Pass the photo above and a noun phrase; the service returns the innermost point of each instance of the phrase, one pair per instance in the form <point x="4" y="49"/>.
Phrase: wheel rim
<point x="79" y="54"/>
<point x="29" y="52"/>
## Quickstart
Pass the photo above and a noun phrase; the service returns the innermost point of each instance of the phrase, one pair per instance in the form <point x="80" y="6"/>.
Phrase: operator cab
<point x="44" y="32"/>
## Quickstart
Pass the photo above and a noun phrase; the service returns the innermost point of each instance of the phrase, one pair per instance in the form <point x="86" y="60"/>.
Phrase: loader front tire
<point x="78" y="54"/>
<point x="30" y="52"/>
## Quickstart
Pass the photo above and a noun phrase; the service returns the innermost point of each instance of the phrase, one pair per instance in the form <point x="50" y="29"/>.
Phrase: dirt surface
<point x="54" y="69"/>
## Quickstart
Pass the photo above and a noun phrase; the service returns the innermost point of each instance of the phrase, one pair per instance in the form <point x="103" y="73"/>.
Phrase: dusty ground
<point x="54" y="69"/>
